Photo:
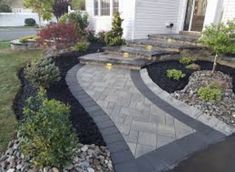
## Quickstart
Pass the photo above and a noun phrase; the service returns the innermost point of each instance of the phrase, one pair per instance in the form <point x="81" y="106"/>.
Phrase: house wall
<point x="229" y="10"/>
<point x="152" y="16"/>
<point x="104" y="23"/>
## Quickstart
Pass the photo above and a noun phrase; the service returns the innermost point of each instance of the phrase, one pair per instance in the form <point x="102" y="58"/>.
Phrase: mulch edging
<point x="83" y="124"/>
<point x="157" y="72"/>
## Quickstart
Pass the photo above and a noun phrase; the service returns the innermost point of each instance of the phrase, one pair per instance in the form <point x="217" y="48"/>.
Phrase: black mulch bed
<point x="86" y="129"/>
<point x="157" y="72"/>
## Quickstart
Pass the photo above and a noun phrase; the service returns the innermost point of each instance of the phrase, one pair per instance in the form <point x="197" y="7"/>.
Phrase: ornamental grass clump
<point x="46" y="133"/>
<point x="175" y="74"/>
<point x="210" y="93"/>
<point x="42" y="72"/>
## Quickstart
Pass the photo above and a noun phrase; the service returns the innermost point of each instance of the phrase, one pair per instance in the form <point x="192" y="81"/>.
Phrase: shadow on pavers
<point x="217" y="158"/>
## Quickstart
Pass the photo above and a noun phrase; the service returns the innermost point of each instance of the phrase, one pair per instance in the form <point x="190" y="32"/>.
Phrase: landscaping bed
<point x="86" y="129"/>
<point x="187" y="89"/>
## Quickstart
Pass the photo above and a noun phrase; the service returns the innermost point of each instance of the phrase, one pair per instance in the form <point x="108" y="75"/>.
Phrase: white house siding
<point x="98" y="23"/>
<point x="104" y="23"/>
<point x="229" y="10"/>
<point x="127" y="11"/>
<point x="152" y="16"/>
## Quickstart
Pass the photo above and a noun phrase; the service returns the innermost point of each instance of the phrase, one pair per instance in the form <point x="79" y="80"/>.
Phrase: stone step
<point x="191" y="33"/>
<point x="167" y="45"/>
<point x="176" y="38"/>
<point x="112" y="60"/>
<point x="138" y="51"/>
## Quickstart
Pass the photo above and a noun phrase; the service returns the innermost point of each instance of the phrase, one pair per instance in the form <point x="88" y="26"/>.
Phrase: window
<point x="96" y="7"/>
<point x="115" y="6"/>
<point x="105" y="7"/>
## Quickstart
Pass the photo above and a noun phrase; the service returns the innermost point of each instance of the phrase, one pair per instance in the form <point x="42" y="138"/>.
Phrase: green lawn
<point x="10" y="63"/>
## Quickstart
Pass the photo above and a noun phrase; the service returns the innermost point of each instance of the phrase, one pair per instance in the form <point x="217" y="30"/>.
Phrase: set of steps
<point x="138" y="53"/>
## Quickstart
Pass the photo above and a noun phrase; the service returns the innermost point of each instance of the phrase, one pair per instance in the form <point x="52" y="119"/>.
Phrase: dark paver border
<point x="122" y="158"/>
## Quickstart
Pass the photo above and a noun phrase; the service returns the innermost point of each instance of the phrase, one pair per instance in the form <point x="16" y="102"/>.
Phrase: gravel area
<point x="90" y="158"/>
<point x="224" y="109"/>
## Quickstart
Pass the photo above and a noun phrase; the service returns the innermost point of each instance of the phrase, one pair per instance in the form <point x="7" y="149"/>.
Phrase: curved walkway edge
<point x="122" y="158"/>
<point x="194" y="113"/>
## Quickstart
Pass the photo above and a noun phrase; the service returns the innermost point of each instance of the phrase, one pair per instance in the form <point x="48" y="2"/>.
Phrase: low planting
<point x="175" y="74"/>
<point x="193" y="66"/>
<point x="186" y="60"/>
<point x="42" y="72"/>
<point x="25" y="39"/>
<point x="210" y="93"/>
<point x="81" y="47"/>
<point x="46" y="132"/>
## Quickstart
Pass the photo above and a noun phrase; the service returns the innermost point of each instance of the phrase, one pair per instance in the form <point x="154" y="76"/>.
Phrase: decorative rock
<point x="84" y="148"/>
<point x="90" y="170"/>
<point x="223" y="109"/>
<point x="89" y="158"/>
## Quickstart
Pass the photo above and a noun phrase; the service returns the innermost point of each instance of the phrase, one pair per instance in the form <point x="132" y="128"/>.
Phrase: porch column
<point x="213" y="12"/>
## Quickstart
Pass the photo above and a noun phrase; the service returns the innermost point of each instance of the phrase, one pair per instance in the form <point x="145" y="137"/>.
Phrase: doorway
<point x="195" y="15"/>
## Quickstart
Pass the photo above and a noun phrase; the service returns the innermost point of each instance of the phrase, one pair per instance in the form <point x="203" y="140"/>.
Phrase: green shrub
<point x="114" y="37"/>
<point x="81" y="47"/>
<point x="101" y="36"/>
<point x="186" y="60"/>
<point x="29" y="22"/>
<point x="42" y="72"/>
<point x="4" y="8"/>
<point x="91" y="36"/>
<point x="193" y="66"/>
<point x="79" y="20"/>
<point x="46" y="132"/>
<point x="28" y="38"/>
<point x="210" y="93"/>
<point x="175" y="74"/>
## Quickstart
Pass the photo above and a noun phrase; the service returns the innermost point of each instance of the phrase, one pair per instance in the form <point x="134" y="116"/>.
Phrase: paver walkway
<point x="143" y="132"/>
<point x="144" y="126"/>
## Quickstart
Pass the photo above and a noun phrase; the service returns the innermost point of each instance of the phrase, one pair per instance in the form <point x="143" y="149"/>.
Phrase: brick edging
<point x="122" y="158"/>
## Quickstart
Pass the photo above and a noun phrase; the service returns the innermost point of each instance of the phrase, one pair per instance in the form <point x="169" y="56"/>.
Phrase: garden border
<point x="192" y="112"/>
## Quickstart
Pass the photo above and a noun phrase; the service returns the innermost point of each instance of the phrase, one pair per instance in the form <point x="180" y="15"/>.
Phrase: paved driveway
<point x="14" y="33"/>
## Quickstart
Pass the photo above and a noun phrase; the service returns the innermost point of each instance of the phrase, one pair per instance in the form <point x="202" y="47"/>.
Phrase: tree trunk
<point x="215" y="63"/>
<point x="40" y="20"/>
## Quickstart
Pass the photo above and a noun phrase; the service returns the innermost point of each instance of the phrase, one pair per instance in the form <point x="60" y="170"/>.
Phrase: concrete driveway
<point x="11" y="33"/>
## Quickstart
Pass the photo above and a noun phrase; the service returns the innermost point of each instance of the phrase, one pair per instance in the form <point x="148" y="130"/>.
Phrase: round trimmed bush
<point x="29" y="22"/>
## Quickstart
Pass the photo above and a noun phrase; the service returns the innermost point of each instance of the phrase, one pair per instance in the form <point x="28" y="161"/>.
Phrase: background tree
<point x="78" y="4"/>
<point x="44" y="8"/>
<point x="60" y="7"/>
<point x="220" y="39"/>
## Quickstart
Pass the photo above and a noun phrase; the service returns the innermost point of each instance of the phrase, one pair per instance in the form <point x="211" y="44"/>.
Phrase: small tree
<point x="220" y="39"/>
<point x="42" y="7"/>
<point x="114" y="37"/>
<point x="60" y="7"/>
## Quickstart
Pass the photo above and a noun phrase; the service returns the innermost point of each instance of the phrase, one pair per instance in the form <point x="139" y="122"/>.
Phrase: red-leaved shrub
<point x="58" y="36"/>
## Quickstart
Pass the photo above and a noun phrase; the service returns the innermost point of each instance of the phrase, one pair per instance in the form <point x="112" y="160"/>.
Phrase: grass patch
<point x="10" y="63"/>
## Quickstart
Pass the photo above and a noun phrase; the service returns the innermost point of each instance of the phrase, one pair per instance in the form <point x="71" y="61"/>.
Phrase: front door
<point x="195" y="15"/>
